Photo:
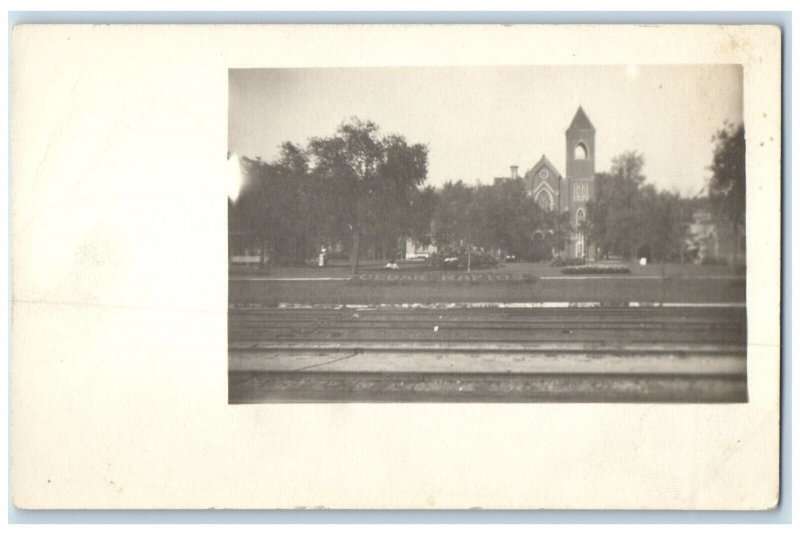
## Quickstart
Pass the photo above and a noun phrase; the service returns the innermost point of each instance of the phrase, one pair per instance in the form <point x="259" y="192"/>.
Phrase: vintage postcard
<point x="597" y="266"/>
<point x="501" y="267"/>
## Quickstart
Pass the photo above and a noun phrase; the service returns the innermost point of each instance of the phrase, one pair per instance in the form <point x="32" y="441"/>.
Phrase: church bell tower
<point x="580" y="147"/>
<point x="580" y="178"/>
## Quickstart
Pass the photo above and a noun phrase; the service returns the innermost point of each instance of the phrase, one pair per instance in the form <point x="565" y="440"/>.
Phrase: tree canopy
<point x="727" y="187"/>
<point x="360" y="188"/>
<point x="497" y="217"/>
<point x="626" y="213"/>
<point x="370" y="182"/>
<point x="355" y="183"/>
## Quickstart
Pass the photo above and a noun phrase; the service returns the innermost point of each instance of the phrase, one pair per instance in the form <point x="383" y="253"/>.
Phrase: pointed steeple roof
<point x="580" y="121"/>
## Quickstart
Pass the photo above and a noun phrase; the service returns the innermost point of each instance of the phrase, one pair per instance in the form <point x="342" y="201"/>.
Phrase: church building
<point x="571" y="191"/>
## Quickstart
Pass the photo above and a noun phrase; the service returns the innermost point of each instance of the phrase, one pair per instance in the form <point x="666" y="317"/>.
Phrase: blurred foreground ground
<point x="644" y="337"/>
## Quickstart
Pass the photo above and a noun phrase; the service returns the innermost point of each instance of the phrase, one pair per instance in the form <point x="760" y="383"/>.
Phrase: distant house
<point x="708" y="237"/>
<point x="415" y="249"/>
<point x="702" y="240"/>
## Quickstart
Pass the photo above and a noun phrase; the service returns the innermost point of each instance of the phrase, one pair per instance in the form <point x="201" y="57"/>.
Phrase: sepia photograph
<point x="505" y="234"/>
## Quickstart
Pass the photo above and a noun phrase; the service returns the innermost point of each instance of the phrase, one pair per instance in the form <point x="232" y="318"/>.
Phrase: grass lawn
<point x="541" y="269"/>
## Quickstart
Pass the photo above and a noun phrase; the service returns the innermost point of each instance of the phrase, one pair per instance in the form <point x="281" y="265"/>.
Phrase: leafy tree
<point x="422" y="208"/>
<point x="497" y="217"/>
<point x="292" y="168"/>
<point x="254" y="204"/>
<point x="559" y="226"/>
<point x="347" y="163"/>
<point x="368" y="182"/>
<point x="355" y="183"/>
<point x="614" y="216"/>
<point x="661" y="220"/>
<point x="390" y="205"/>
<point x="270" y="205"/>
<point x="511" y="217"/>
<point x="629" y="166"/>
<point x="453" y="217"/>
<point x="727" y="188"/>
<point x="628" y="213"/>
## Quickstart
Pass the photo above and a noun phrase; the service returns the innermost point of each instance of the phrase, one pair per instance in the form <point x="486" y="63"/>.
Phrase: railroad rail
<point x="487" y="354"/>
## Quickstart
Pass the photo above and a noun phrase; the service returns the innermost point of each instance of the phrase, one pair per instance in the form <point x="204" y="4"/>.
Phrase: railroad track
<point x="488" y="354"/>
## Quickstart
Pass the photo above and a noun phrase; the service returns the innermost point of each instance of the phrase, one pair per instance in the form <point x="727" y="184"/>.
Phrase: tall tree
<point x="270" y="205"/>
<point x="256" y="205"/>
<point x="627" y="213"/>
<point x="368" y="181"/>
<point x="727" y="188"/>
<point x="422" y="208"/>
<point x="390" y="206"/>
<point x="512" y="217"/>
<point x="453" y="218"/>
<point x="559" y="225"/>
<point x="292" y="171"/>
<point x="661" y="222"/>
<point x="501" y="216"/>
<point x="613" y="221"/>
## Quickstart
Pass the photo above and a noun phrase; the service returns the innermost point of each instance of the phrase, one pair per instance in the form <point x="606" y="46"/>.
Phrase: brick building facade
<point x="570" y="192"/>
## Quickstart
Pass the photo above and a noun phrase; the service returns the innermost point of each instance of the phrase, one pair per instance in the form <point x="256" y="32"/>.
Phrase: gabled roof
<point x="580" y="121"/>
<point x="544" y="162"/>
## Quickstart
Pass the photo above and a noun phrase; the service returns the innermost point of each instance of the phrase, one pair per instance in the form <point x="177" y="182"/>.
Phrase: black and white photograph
<point x="485" y="268"/>
<point x="505" y="234"/>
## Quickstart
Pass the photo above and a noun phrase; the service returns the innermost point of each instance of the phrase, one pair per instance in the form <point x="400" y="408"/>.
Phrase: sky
<point x="478" y="121"/>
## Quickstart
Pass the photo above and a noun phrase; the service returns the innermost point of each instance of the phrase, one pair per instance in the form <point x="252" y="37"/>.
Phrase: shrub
<point x="596" y="269"/>
<point x="560" y="262"/>
<point x="338" y="255"/>
<point x="458" y="259"/>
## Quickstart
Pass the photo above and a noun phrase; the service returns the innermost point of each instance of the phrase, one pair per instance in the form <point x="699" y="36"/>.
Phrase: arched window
<point x="579" y="217"/>
<point x="581" y="152"/>
<point x="545" y="200"/>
